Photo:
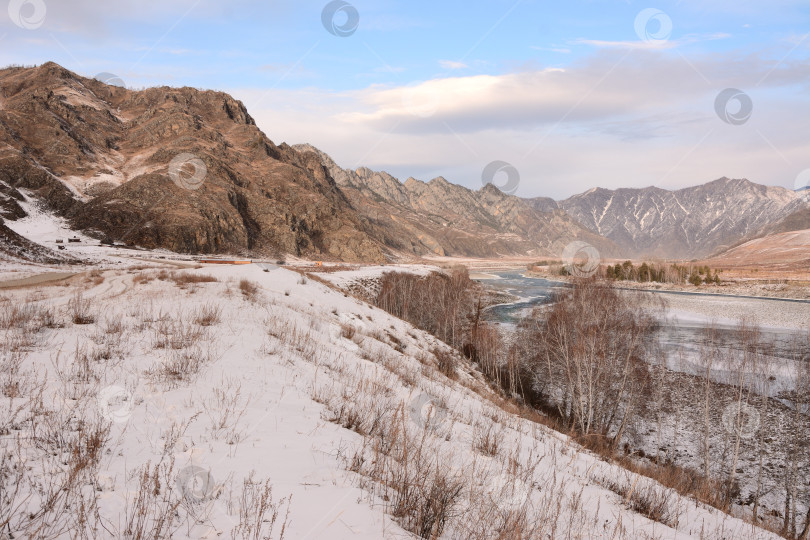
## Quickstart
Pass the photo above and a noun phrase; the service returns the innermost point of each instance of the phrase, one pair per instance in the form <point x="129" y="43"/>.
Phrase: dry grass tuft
<point x="486" y="440"/>
<point x="80" y="309"/>
<point x="142" y="278"/>
<point x="95" y="277"/>
<point x="258" y="512"/>
<point x="446" y="362"/>
<point x="181" y="366"/>
<point x="208" y="315"/>
<point x="181" y="279"/>
<point x="347" y="331"/>
<point x="250" y="289"/>
<point x="176" y="334"/>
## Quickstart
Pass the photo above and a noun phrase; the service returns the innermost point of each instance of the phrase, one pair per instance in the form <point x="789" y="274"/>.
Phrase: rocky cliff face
<point x="177" y="168"/>
<point x="441" y="218"/>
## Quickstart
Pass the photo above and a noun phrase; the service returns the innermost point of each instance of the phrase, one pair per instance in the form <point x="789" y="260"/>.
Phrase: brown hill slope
<point x="785" y="251"/>
<point x="178" y="168"/>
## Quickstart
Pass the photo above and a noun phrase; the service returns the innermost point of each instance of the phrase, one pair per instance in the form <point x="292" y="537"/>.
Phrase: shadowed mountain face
<point x="441" y="218"/>
<point x="180" y="169"/>
<point x="690" y="222"/>
<point x="796" y="221"/>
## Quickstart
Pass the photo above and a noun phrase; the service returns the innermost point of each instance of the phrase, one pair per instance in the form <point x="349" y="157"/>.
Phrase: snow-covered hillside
<point x="140" y="395"/>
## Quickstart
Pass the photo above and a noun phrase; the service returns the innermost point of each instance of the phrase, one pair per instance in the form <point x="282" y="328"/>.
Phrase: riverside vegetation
<point x="590" y="363"/>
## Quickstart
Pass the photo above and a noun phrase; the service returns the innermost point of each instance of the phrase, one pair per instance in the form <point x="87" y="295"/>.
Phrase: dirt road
<point x="38" y="279"/>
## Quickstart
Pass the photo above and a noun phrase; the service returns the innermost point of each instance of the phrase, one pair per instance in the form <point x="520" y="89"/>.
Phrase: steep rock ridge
<point x="687" y="223"/>
<point x="438" y="217"/>
<point x="100" y="155"/>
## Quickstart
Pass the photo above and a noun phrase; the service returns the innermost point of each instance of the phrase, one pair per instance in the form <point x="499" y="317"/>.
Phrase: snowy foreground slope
<point x="210" y="383"/>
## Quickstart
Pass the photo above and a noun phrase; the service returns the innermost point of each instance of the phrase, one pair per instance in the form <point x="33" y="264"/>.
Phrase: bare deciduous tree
<point x="589" y="356"/>
<point x="437" y="303"/>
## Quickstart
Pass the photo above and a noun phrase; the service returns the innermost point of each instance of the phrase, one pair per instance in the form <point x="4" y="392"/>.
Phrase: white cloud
<point x="552" y="49"/>
<point x="653" y="44"/>
<point x="650" y="122"/>
<point x="608" y="87"/>
<point x="450" y="64"/>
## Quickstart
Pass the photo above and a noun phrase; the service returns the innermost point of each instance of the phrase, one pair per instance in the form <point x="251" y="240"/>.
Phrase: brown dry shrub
<point x="249" y="289"/>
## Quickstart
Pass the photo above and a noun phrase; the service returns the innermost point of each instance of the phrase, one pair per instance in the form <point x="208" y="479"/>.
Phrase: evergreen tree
<point x="644" y="272"/>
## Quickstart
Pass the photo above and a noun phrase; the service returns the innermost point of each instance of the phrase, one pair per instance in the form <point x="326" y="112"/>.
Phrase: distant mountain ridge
<point x="689" y="222"/>
<point x="441" y="218"/>
<point x="645" y="222"/>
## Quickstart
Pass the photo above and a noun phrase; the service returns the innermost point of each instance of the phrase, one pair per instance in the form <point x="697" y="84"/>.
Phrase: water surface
<point x="683" y="343"/>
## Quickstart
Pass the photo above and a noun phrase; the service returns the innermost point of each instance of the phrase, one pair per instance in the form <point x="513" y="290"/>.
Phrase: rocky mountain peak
<point x="439" y="217"/>
<point x="106" y="158"/>
<point x="492" y="190"/>
<point x="439" y="181"/>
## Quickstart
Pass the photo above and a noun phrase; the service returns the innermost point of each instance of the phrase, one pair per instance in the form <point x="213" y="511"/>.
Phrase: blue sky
<point x="574" y="94"/>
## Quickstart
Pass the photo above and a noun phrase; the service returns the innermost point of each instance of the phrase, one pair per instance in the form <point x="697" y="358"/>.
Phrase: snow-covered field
<point x="168" y="395"/>
<point x="766" y="313"/>
<point x="43" y="227"/>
